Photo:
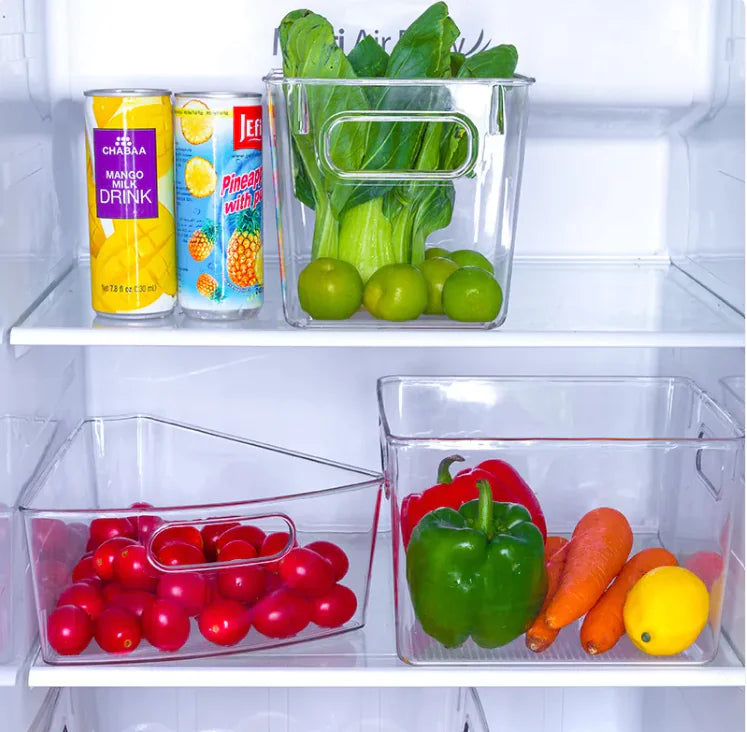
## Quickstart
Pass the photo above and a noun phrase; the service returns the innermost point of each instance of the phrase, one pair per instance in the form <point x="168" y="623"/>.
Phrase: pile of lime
<point x="457" y="284"/>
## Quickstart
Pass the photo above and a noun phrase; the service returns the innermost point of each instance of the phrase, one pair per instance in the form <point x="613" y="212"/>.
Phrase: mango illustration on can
<point x="130" y="173"/>
<point x="218" y="141"/>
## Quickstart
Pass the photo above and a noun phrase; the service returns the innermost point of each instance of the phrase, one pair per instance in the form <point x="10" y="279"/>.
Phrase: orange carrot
<point x="539" y="636"/>
<point x="603" y="625"/>
<point x="597" y="551"/>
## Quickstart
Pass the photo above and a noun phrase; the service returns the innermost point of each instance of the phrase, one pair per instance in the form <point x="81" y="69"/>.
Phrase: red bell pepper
<point x="506" y="484"/>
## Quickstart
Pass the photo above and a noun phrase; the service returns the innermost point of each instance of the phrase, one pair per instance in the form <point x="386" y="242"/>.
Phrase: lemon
<point x="666" y="610"/>
<point x="200" y="177"/>
<point x="196" y="122"/>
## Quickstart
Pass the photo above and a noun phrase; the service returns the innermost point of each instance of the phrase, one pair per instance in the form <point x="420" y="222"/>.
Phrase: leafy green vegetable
<point x="368" y="59"/>
<point x="366" y="238"/>
<point x="498" y="62"/>
<point x="457" y="59"/>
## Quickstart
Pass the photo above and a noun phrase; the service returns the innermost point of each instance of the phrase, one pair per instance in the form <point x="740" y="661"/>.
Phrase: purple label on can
<point x="126" y="178"/>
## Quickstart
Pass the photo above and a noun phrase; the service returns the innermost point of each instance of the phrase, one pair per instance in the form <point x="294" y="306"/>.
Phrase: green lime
<point x="436" y="271"/>
<point x="472" y="295"/>
<point x="396" y="292"/>
<point x="471" y="258"/>
<point x="330" y="289"/>
<point x="437" y="252"/>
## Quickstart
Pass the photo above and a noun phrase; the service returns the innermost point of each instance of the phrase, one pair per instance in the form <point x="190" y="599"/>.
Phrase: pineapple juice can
<point x="130" y="174"/>
<point x="219" y="203"/>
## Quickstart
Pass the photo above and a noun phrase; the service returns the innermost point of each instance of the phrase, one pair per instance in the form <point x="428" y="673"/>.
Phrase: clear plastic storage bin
<point x="657" y="449"/>
<point x="196" y="478"/>
<point x="469" y="201"/>
<point x="267" y="710"/>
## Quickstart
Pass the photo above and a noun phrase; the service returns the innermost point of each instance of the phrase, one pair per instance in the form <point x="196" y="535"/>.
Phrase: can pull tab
<point x="172" y="527"/>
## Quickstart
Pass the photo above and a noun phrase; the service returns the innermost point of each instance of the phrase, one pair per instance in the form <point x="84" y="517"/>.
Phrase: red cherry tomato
<point x="306" y="571"/>
<point x="334" y="608"/>
<point x="166" y="625"/>
<point x="188" y="589"/>
<point x="274" y="544"/>
<point x="134" y="601"/>
<point x="281" y="614"/>
<point x="272" y="582"/>
<point x="107" y="528"/>
<point x="186" y="534"/>
<point x="49" y="538"/>
<point x="77" y="536"/>
<point x="84" y="596"/>
<point x="103" y="557"/>
<point x="224" y="622"/>
<point x="245" y="584"/>
<point x="133" y="570"/>
<point x="111" y="590"/>
<point x="236" y="549"/>
<point x="252" y="534"/>
<point x="69" y="630"/>
<point x="334" y="555"/>
<point x="53" y="575"/>
<point x="145" y="524"/>
<point x="84" y="569"/>
<point x="210" y="535"/>
<point x="91" y="546"/>
<point x="117" y="631"/>
<point x="178" y="553"/>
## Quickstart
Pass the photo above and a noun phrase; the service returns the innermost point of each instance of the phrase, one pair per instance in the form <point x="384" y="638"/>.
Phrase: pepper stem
<point x="485" y="508"/>
<point x="444" y="476"/>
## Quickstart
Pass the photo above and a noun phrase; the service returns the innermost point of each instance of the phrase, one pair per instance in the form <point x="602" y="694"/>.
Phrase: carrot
<point x="603" y="625"/>
<point x="597" y="551"/>
<point x="539" y="636"/>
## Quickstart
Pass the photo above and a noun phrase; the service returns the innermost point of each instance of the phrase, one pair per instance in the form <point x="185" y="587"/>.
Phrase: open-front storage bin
<point x="196" y="481"/>
<point x="353" y="180"/>
<point x="659" y="450"/>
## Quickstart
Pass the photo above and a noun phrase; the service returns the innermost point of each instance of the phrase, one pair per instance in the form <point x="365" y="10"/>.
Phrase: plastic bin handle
<point x="256" y="561"/>
<point x="329" y="166"/>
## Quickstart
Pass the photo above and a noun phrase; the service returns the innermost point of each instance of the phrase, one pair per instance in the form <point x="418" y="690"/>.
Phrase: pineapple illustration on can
<point x="219" y="203"/>
<point x="130" y="173"/>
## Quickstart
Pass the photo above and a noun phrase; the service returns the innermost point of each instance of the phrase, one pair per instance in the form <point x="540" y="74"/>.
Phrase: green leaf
<point x="366" y="238"/>
<point x="368" y="59"/>
<point x="457" y="59"/>
<point x="498" y="62"/>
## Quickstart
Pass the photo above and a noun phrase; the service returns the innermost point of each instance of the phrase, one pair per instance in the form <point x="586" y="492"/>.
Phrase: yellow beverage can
<point x="130" y="174"/>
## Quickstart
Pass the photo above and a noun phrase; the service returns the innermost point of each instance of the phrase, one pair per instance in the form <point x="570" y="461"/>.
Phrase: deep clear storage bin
<point x="195" y="477"/>
<point x="657" y="449"/>
<point x="469" y="199"/>
<point x="268" y="710"/>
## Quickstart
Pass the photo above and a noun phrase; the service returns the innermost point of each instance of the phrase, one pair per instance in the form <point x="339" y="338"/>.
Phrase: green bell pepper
<point x="479" y="571"/>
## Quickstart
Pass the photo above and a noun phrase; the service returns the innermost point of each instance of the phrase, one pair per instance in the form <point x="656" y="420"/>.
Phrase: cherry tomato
<point x="84" y="569"/>
<point x="103" y="557"/>
<point x="281" y="614"/>
<point x="134" y="601"/>
<point x="334" y="608"/>
<point x="186" y="534"/>
<point x="306" y="571"/>
<point x="117" y="631"/>
<point x="84" y="596"/>
<point x="91" y="546"/>
<point x="224" y="622"/>
<point x="77" y="535"/>
<point x="166" y="625"/>
<point x="50" y="539"/>
<point x="210" y="535"/>
<point x="251" y="534"/>
<point x="274" y="544"/>
<point x="245" y="584"/>
<point x="272" y="582"/>
<point x="145" y="524"/>
<point x="177" y="553"/>
<point x="236" y="549"/>
<point x="133" y="570"/>
<point x="107" y="528"/>
<point x="53" y="575"/>
<point x="188" y="589"/>
<point x="69" y="630"/>
<point x="111" y="590"/>
<point x="334" y="555"/>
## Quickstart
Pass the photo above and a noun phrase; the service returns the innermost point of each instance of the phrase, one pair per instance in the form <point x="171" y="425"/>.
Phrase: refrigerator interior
<point x="630" y="260"/>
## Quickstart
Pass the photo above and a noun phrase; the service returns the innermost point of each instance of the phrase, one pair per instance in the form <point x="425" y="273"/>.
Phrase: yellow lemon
<point x="196" y="122"/>
<point x="666" y="610"/>
<point x="200" y="177"/>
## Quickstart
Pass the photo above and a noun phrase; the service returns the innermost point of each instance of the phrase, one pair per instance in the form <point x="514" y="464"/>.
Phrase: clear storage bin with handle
<point x="335" y="145"/>
<point x="200" y="484"/>
<point x="659" y="450"/>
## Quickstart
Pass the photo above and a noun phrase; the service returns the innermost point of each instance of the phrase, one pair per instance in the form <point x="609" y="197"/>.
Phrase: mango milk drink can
<point x="219" y="203"/>
<point x="130" y="175"/>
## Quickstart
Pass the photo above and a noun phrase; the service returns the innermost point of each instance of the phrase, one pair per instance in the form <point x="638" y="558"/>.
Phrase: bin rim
<point x="276" y="76"/>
